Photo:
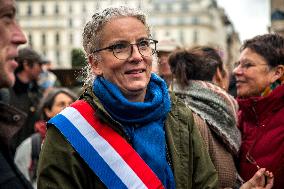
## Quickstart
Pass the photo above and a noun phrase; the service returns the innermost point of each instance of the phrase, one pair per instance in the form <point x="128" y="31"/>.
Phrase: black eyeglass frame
<point x="111" y="47"/>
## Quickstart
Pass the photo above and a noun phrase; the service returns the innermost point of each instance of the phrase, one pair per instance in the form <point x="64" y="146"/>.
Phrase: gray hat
<point x="45" y="60"/>
<point x="27" y="55"/>
<point x="30" y="55"/>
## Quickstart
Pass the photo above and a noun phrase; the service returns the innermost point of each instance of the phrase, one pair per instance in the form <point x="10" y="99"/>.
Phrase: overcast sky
<point x="249" y="17"/>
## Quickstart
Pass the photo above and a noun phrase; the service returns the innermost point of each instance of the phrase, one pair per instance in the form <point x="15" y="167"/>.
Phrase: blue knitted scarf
<point x="142" y="121"/>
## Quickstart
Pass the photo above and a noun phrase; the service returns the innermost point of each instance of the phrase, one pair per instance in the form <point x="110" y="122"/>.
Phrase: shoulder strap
<point x="108" y="154"/>
<point x="36" y="145"/>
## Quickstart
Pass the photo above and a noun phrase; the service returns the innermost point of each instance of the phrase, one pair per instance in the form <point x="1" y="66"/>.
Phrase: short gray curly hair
<point x="91" y="33"/>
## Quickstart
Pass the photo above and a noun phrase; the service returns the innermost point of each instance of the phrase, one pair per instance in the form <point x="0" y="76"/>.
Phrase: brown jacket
<point x="221" y="158"/>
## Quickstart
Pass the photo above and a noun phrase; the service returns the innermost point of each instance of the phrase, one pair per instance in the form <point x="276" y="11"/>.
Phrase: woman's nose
<point x="237" y="70"/>
<point x="135" y="55"/>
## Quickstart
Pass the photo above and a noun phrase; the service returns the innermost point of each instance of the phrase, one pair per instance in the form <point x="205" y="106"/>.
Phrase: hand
<point x="262" y="179"/>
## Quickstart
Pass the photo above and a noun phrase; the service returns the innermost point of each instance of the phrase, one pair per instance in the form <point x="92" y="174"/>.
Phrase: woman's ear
<point x="218" y="79"/>
<point x="48" y="112"/>
<point x="95" y="65"/>
<point x="278" y="73"/>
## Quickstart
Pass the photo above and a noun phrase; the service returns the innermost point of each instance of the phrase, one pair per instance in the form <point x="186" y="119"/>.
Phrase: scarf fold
<point x="143" y="121"/>
<point x="273" y="86"/>
<point x="155" y="106"/>
<point x="217" y="108"/>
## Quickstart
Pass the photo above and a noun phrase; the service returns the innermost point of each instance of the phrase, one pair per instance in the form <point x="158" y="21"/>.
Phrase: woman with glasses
<point x="259" y="80"/>
<point x="27" y="153"/>
<point x="125" y="131"/>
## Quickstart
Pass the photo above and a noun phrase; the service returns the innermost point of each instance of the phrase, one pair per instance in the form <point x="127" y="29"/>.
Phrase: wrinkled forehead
<point x="123" y="20"/>
<point x="122" y="27"/>
<point x="7" y="4"/>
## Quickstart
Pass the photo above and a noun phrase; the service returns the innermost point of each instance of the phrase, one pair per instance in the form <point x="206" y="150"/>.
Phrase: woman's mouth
<point x="138" y="71"/>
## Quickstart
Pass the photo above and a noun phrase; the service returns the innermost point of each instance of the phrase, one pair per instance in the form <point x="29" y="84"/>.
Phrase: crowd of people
<point x="151" y="114"/>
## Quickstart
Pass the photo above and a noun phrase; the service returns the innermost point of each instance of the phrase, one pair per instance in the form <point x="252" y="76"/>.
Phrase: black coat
<point x="25" y="97"/>
<point x="11" y="120"/>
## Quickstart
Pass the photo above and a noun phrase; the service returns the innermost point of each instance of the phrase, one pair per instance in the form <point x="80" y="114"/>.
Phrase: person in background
<point x="11" y="119"/>
<point x="200" y="80"/>
<point x="27" y="153"/>
<point x="216" y="70"/>
<point x="47" y="79"/>
<point x="126" y="131"/>
<point x="26" y="94"/>
<point x="259" y="76"/>
<point x="164" y="48"/>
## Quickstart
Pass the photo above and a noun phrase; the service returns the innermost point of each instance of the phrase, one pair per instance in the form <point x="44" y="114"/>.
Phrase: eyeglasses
<point x="249" y="158"/>
<point x="123" y="50"/>
<point x="246" y="65"/>
<point x="252" y="160"/>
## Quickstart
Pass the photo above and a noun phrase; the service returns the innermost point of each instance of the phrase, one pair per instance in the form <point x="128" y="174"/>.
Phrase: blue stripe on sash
<point x="87" y="152"/>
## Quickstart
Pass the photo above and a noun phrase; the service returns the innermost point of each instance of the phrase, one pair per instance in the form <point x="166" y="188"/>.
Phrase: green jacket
<point x="61" y="167"/>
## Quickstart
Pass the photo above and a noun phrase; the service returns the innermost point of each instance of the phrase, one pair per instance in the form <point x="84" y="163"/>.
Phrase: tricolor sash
<point x="108" y="154"/>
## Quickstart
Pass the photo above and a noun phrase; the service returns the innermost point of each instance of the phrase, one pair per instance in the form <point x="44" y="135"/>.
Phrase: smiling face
<point x="253" y="74"/>
<point x="133" y="74"/>
<point x="11" y="37"/>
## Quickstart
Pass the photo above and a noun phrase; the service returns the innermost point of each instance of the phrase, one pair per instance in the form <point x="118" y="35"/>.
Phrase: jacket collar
<point x="101" y="112"/>
<point x="261" y="106"/>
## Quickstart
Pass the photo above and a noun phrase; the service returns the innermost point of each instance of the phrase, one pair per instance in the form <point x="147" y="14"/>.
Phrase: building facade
<point x="277" y="16"/>
<point x="54" y="27"/>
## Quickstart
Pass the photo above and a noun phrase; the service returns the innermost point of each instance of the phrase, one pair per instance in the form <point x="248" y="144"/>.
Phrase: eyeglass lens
<point x="124" y="50"/>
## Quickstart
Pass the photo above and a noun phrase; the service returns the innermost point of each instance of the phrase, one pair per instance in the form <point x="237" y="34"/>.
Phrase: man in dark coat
<point x="11" y="119"/>
<point x="26" y="94"/>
